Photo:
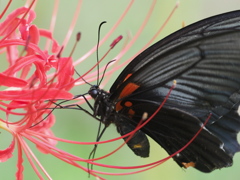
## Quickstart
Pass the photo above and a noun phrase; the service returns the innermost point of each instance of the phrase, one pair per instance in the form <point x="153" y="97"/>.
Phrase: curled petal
<point x="7" y="153"/>
<point x="6" y="80"/>
<point x="5" y="25"/>
<point x="34" y="34"/>
<point x="31" y="16"/>
<point x="16" y="104"/>
<point x="65" y="73"/>
<point x="34" y="47"/>
<point x="48" y="34"/>
<point x="30" y="32"/>
<point x="12" y="18"/>
<point x="22" y="64"/>
<point x="43" y="94"/>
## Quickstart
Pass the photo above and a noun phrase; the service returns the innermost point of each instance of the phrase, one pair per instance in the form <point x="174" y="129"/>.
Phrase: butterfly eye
<point x="93" y="92"/>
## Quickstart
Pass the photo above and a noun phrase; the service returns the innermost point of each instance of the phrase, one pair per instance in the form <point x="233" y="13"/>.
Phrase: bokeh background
<point x="75" y="125"/>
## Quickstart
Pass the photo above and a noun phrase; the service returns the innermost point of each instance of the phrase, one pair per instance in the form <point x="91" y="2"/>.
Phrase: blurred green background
<point x="75" y="125"/>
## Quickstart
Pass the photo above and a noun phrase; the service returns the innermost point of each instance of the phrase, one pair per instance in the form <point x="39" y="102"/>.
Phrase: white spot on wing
<point x="238" y="111"/>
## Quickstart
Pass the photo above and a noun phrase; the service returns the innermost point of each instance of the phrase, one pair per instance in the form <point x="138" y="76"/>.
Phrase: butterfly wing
<point x="172" y="129"/>
<point x="204" y="59"/>
<point x="219" y="24"/>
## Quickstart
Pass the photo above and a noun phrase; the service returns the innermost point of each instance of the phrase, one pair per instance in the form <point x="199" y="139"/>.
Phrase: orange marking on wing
<point x="128" y="89"/>
<point x="131" y="112"/>
<point x="187" y="165"/>
<point x="128" y="104"/>
<point x="137" y="146"/>
<point x="127" y="77"/>
<point x="118" y="106"/>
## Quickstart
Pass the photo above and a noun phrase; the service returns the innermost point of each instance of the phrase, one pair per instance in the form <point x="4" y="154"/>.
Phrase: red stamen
<point x="116" y="41"/>
<point x="78" y="36"/>
<point x="5" y="9"/>
<point x="60" y="52"/>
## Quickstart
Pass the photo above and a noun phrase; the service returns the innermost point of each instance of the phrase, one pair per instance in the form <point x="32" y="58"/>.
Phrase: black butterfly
<point x="204" y="59"/>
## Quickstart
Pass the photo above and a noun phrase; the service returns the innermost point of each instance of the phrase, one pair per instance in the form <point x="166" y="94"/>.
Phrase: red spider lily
<point x="36" y="78"/>
<point x="26" y="85"/>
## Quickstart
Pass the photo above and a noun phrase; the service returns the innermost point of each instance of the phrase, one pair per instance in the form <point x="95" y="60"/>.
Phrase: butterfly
<point x="204" y="59"/>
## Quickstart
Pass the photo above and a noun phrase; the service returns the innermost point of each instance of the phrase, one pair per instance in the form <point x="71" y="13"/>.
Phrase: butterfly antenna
<point x="82" y="77"/>
<point x="99" y="30"/>
<point x="105" y="71"/>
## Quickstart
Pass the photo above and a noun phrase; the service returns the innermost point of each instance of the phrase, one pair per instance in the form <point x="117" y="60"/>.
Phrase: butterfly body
<point x="204" y="59"/>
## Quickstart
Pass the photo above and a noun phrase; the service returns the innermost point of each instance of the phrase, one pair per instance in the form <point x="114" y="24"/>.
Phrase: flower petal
<point x="65" y="73"/>
<point x="7" y="153"/>
<point x="11" y="81"/>
<point x="39" y="94"/>
<point x="48" y="34"/>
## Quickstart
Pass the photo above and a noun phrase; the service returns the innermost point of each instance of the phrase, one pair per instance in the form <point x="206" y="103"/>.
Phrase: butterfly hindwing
<point x="173" y="129"/>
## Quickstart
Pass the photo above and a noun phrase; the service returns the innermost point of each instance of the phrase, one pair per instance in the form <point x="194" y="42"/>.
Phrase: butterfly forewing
<point x="228" y="22"/>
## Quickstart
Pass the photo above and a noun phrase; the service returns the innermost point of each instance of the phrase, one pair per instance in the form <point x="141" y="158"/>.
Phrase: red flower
<point x="28" y="85"/>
